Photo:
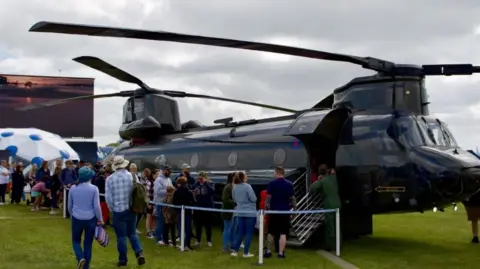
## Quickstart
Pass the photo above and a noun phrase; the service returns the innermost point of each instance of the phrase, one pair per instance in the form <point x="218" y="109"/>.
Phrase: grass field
<point x="430" y="240"/>
<point x="31" y="240"/>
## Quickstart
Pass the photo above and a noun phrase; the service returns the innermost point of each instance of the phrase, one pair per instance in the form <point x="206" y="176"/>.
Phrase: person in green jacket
<point x="327" y="187"/>
<point x="228" y="234"/>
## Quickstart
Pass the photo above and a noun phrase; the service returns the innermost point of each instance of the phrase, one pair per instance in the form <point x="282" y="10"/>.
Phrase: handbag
<point x="101" y="236"/>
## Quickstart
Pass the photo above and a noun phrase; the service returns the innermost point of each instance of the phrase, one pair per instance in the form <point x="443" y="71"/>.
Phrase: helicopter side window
<point x="367" y="96"/>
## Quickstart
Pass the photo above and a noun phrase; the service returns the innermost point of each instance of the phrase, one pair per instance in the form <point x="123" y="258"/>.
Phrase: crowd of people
<point x="101" y="196"/>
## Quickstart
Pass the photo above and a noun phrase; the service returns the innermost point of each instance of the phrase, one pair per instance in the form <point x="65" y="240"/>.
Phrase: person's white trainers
<point x="234" y="254"/>
<point x="248" y="255"/>
<point x="209" y="244"/>
<point x="53" y="212"/>
<point x="2" y="204"/>
<point x="242" y="246"/>
<point x="196" y="244"/>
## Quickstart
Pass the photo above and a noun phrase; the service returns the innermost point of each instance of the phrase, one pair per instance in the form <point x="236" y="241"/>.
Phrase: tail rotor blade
<point x="111" y="70"/>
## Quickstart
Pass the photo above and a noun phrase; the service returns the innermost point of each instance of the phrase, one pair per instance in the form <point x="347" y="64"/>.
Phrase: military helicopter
<point x="389" y="154"/>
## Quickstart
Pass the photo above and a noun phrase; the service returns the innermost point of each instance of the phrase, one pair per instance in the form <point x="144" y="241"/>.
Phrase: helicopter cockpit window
<point x="436" y="133"/>
<point x="408" y="133"/>
<point x="367" y="96"/>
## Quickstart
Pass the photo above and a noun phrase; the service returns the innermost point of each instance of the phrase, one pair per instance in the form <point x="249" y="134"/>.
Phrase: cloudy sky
<point x="404" y="31"/>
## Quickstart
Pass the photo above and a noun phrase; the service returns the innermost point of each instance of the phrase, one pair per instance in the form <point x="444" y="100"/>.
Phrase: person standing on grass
<point x="183" y="196"/>
<point x="18" y="183"/>
<point x="118" y="194"/>
<point x="246" y="200"/>
<point x="160" y="191"/>
<point x="228" y="235"/>
<point x="4" y="178"/>
<point x="68" y="176"/>
<point x="203" y="191"/>
<point x="280" y="197"/>
<point x="133" y="169"/>
<point x="86" y="214"/>
<point x="149" y="182"/>
<point x="472" y="206"/>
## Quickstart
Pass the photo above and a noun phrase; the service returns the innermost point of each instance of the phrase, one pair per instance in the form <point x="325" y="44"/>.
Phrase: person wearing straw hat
<point x="85" y="212"/>
<point x="118" y="193"/>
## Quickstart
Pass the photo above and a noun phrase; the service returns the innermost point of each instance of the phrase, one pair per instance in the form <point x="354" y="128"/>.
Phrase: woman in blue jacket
<point x="246" y="201"/>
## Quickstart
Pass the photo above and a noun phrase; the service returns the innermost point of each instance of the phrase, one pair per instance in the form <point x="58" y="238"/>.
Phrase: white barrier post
<point x="337" y="231"/>
<point x="182" y="229"/>
<point x="261" y="238"/>
<point x="64" y="203"/>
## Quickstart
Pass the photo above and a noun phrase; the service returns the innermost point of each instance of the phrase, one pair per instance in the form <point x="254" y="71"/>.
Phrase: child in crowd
<point x="170" y="217"/>
<point x="38" y="191"/>
<point x="263" y="200"/>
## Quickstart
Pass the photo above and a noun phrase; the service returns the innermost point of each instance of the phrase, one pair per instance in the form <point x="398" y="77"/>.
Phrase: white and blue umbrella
<point x="35" y="145"/>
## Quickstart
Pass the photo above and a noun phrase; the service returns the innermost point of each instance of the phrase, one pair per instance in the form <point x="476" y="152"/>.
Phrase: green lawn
<point x="429" y="240"/>
<point x="30" y="240"/>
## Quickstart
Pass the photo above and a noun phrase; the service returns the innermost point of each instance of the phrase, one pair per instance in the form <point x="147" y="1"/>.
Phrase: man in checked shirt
<point x="118" y="194"/>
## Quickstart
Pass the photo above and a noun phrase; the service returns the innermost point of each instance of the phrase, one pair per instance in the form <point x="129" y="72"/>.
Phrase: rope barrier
<point x="260" y="214"/>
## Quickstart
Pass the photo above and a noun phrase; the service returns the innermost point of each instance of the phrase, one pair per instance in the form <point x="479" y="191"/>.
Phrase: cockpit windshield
<point x="436" y="133"/>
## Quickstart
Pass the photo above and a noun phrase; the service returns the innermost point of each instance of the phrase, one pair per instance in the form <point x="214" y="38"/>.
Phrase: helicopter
<point x="390" y="155"/>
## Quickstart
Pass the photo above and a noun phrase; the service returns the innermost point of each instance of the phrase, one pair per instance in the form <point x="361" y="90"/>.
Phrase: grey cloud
<point x="403" y="31"/>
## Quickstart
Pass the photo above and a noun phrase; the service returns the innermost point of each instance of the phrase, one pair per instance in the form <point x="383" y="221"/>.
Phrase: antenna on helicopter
<point x="224" y="121"/>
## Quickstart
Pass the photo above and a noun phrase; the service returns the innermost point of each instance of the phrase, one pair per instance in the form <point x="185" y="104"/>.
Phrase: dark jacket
<point x="68" y="176"/>
<point x="204" y="194"/>
<point x="18" y="180"/>
<point x="55" y="183"/>
<point x="183" y="196"/>
<point x="100" y="183"/>
<point x="227" y="201"/>
<point x="42" y="173"/>
<point x="190" y="179"/>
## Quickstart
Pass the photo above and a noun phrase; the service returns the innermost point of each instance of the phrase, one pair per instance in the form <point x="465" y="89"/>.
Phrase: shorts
<point x="279" y="224"/>
<point x="473" y="213"/>
<point x="36" y="194"/>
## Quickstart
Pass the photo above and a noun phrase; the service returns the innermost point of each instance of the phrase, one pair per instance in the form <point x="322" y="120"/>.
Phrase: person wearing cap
<point x="204" y="192"/>
<point x="118" y="193"/>
<point x="85" y="211"/>
<point x="159" y="192"/>
<point x="186" y="173"/>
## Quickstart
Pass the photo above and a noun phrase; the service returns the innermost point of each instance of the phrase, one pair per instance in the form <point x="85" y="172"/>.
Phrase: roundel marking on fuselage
<point x="279" y="156"/>
<point x="194" y="160"/>
<point x="232" y="158"/>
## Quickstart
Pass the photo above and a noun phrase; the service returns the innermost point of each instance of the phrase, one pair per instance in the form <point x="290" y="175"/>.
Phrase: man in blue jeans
<point x="159" y="192"/>
<point x="118" y="191"/>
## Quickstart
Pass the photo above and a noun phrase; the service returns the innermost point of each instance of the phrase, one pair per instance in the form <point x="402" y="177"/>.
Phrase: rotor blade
<point x="79" y="29"/>
<point x="202" y="96"/>
<point x="111" y="70"/>
<point x="66" y="100"/>
<point x="449" y="69"/>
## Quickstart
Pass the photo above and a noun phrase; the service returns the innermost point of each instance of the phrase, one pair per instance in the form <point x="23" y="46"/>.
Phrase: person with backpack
<point x="122" y="196"/>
